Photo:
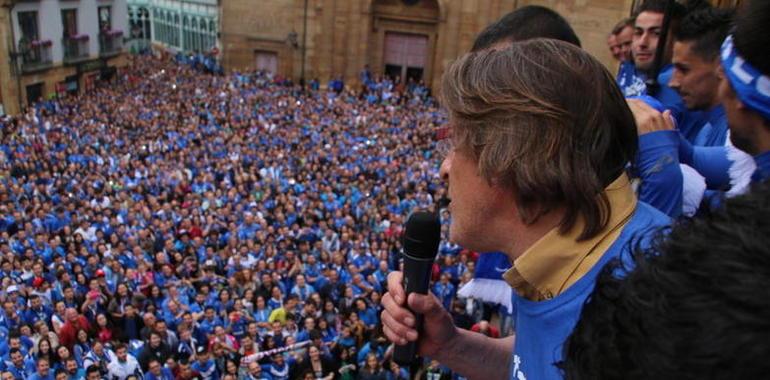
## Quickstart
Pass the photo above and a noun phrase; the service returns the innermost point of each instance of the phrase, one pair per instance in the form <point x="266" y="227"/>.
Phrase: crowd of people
<point x="180" y="223"/>
<point x="174" y="223"/>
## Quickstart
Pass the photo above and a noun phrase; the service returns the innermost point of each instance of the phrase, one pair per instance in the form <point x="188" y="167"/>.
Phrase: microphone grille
<point x="422" y="235"/>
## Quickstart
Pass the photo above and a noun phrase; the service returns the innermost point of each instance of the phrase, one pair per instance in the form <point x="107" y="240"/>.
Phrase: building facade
<point x="410" y="38"/>
<point x="175" y="25"/>
<point x="57" y="47"/>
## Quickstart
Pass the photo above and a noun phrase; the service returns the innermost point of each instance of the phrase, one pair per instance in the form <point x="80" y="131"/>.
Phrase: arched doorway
<point x="405" y="55"/>
<point x="404" y="36"/>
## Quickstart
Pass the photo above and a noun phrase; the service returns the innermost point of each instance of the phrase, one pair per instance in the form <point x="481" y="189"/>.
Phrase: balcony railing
<point x="110" y="43"/>
<point x="36" y="56"/>
<point x="75" y="48"/>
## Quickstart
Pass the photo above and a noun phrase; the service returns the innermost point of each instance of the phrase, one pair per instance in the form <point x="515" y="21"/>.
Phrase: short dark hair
<point x="752" y="35"/>
<point x="678" y="11"/>
<point x="622" y="24"/>
<point x="553" y="146"/>
<point x="92" y="368"/>
<point x="532" y="21"/>
<point x="693" y="306"/>
<point x="706" y="29"/>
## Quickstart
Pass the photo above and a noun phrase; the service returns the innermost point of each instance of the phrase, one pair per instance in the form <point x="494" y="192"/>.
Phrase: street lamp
<point x="304" y="46"/>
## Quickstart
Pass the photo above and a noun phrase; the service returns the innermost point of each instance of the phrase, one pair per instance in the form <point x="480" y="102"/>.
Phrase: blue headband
<point x="751" y="86"/>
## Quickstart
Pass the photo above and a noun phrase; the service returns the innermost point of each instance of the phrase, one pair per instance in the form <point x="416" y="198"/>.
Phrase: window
<point x="105" y="19"/>
<point x="134" y="23"/>
<point x="195" y="36"/>
<point x="69" y="18"/>
<point x="176" y="30"/>
<point x="28" y="26"/>
<point x="144" y="17"/>
<point x="186" y="32"/>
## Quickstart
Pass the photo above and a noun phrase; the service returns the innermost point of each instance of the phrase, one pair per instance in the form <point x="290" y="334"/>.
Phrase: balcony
<point x="110" y="43"/>
<point x="75" y="48"/>
<point x="36" y="56"/>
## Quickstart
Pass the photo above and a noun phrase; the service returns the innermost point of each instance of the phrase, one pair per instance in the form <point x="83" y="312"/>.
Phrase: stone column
<point x="8" y="81"/>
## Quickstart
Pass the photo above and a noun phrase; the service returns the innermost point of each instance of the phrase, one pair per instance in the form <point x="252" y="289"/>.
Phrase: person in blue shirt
<point x="210" y="320"/>
<point x="156" y="371"/>
<point x="205" y="365"/>
<point x="13" y="342"/>
<point x="528" y="188"/>
<point x="278" y="369"/>
<point x="312" y="269"/>
<point x="743" y="93"/>
<point x="302" y="289"/>
<point x="255" y="371"/>
<point x="451" y="269"/>
<point x="634" y="74"/>
<point x="367" y="314"/>
<point x="15" y="365"/>
<point x="237" y="324"/>
<point x="42" y="370"/>
<point x="73" y="370"/>
<point x="36" y="311"/>
<point x="695" y="77"/>
<point x="444" y="291"/>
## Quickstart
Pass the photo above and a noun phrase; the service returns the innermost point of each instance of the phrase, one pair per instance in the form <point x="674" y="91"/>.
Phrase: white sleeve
<point x="693" y="189"/>
<point x="741" y="169"/>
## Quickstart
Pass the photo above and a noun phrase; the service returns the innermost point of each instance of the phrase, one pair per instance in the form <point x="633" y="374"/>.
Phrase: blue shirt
<point x="445" y="293"/>
<point x="542" y="327"/>
<point x="368" y="316"/>
<point x="657" y="165"/>
<point x="632" y="84"/>
<point x="165" y="374"/>
<point x="763" y="167"/>
<point x="37" y="376"/>
<point x="713" y="132"/>
<point x="207" y="370"/>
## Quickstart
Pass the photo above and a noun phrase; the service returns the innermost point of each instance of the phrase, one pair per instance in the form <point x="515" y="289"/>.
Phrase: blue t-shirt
<point x="763" y="167"/>
<point x="632" y="84"/>
<point x="165" y="374"/>
<point x="542" y="327"/>
<point x="657" y="165"/>
<point x="207" y="370"/>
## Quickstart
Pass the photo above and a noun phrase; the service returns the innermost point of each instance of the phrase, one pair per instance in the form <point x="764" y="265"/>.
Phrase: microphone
<point x="421" y="238"/>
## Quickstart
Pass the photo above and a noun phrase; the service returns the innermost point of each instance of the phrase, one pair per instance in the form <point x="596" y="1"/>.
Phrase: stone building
<point x="412" y="38"/>
<point x="409" y="38"/>
<point x="52" y="47"/>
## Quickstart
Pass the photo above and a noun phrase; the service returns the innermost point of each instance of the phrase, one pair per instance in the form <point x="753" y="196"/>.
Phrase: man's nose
<point x="644" y="41"/>
<point x="445" y="166"/>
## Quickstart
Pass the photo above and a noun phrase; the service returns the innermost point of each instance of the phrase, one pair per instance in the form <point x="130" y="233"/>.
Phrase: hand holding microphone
<point x="413" y="319"/>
